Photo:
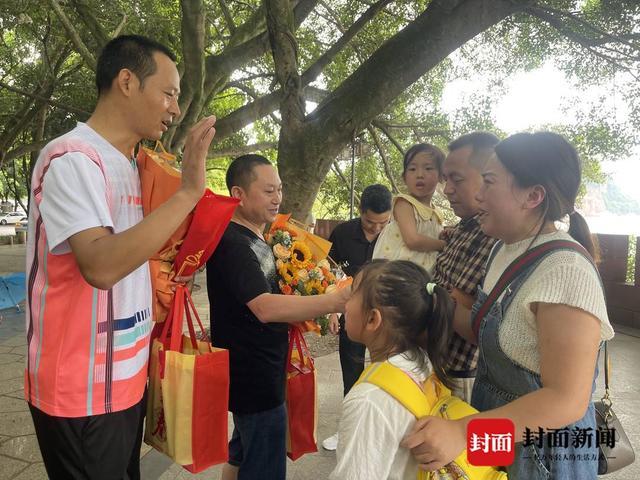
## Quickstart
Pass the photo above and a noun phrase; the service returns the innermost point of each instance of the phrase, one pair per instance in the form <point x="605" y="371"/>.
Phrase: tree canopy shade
<point x="301" y="79"/>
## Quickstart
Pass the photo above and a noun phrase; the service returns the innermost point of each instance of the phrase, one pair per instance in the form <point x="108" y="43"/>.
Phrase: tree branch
<point x="24" y="149"/>
<point x="253" y="94"/>
<point x="380" y="126"/>
<point x="254" y="76"/>
<point x="336" y="169"/>
<point x="315" y="94"/>
<point x="24" y="116"/>
<point x="327" y="57"/>
<point x="395" y="65"/>
<point x="249" y="41"/>
<point x="120" y="26"/>
<point x="237" y="151"/>
<point x="73" y="35"/>
<point x="87" y="16"/>
<point x="606" y="37"/>
<point x="243" y="116"/>
<point x="383" y="156"/>
<point x="585" y="42"/>
<point x="334" y="17"/>
<point x="42" y="98"/>
<point x="227" y="16"/>
<point x="218" y="68"/>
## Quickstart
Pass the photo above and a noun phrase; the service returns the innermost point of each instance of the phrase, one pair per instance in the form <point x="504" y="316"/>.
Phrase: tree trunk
<point x="403" y="59"/>
<point x="192" y="82"/>
<point x="248" y="42"/>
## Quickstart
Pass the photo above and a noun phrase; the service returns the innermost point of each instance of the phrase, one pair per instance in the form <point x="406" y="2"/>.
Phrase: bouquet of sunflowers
<point x="301" y="272"/>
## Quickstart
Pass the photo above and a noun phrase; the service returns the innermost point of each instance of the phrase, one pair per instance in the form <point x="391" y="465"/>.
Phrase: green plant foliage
<point x="594" y="42"/>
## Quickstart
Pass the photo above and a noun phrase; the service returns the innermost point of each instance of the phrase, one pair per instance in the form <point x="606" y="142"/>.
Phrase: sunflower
<point x="287" y="272"/>
<point x="314" y="287"/>
<point x="300" y="254"/>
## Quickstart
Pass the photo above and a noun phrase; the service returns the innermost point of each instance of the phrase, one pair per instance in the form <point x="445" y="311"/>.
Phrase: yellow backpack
<point x="436" y="400"/>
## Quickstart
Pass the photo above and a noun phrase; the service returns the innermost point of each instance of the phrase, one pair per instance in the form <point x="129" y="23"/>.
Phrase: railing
<point x="622" y="292"/>
<point x="325" y="227"/>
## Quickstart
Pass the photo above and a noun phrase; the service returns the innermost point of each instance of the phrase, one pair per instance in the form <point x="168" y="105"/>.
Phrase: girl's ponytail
<point x="439" y="329"/>
<point x="579" y="231"/>
<point x="417" y="314"/>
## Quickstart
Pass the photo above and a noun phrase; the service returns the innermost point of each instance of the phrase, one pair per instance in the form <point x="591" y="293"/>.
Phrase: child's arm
<point x="404" y="216"/>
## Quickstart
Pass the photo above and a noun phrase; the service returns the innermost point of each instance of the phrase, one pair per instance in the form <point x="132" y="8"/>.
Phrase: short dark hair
<point x="482" y="147"/>
<point x="376" y="198"/>
<point x="434" y="152"/>
<point x="476" y="140"/>
<point x="133" y="52"/>
<point x="240" y="173"/>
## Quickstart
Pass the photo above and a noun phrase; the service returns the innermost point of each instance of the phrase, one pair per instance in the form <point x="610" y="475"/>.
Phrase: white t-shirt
<point x="74" y="197"/>
<point x="564" y="277"/>
<point x="372" y="425"/>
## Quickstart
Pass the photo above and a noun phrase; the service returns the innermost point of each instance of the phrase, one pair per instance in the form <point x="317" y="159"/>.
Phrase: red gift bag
<point x="188" y="392"/>
<point x="302" y="407"/>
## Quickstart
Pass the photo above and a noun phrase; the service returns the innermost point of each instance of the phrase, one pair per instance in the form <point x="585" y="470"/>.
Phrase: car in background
<point x="12" y="218"/>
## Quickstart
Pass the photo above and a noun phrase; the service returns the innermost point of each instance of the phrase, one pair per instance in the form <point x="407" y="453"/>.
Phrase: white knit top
<point x="563" y="277"/>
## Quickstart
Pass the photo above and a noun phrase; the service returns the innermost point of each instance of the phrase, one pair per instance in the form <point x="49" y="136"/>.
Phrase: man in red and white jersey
<point x="88" y="285"/>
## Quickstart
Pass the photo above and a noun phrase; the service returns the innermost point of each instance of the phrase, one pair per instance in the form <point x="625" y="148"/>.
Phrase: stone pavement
<point x="20" y="457"/>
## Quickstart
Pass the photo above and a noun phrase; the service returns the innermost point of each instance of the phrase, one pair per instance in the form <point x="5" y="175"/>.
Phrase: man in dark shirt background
<point x="249" y="318"/>
<point x="352" y="246"/>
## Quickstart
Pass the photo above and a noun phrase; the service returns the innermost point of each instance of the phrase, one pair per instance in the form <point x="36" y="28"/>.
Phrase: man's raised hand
<point x="195" y="156"/>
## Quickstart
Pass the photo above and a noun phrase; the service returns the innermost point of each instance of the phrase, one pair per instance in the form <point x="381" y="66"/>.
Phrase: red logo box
<point x="491" y="442"/>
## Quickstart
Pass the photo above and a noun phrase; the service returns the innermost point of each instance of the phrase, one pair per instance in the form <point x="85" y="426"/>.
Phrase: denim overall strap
<point x="501" y="380"/>
<point x="521" y="263"/>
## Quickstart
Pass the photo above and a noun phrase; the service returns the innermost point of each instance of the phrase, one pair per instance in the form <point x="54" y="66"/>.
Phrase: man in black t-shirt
<point x="352" y="245"/>
<point x="249" y="318"/>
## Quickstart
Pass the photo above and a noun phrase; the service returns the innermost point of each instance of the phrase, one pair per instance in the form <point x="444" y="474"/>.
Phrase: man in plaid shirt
<point x="460" y="265"/>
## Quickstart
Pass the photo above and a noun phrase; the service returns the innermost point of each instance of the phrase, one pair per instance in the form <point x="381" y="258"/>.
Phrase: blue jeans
<point x="258" y="445"/>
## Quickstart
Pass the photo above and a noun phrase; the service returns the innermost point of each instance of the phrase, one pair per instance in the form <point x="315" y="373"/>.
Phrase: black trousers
<point x="351" y="358"/>
<point x="99" y="447"/>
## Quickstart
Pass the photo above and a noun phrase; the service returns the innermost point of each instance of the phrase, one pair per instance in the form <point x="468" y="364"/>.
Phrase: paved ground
<point x="20" y="458"/>
<point x="12" y="258"/>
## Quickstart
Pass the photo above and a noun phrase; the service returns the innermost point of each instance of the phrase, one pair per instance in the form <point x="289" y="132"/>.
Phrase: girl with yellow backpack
<point x="405" y="321"/>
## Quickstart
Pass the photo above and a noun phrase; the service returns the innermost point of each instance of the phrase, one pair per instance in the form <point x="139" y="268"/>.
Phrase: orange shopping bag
<point x="159" y="180"/>
<point x="302" y="408"/>
<point x="188" y="392"/>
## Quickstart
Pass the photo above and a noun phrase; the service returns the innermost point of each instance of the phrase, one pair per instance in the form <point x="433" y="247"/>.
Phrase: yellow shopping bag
<point x="188" y="393"/>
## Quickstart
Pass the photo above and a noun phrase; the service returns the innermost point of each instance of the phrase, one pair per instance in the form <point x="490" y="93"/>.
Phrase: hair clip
<point x="430" y="288"/>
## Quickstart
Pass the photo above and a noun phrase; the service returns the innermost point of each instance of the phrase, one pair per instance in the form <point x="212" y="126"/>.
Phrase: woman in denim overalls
<point x="542" y="373"/>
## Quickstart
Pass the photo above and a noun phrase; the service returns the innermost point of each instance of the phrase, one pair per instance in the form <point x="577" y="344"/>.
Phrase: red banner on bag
<point x="210" y="219"/>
